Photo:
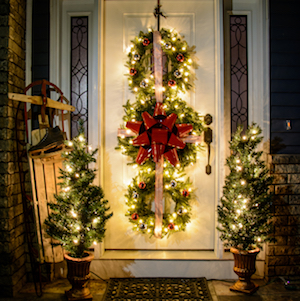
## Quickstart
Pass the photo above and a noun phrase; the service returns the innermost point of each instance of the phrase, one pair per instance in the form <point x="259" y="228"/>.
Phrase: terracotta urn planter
<point x="79" y="275"/>
<point x="244" y="267"/>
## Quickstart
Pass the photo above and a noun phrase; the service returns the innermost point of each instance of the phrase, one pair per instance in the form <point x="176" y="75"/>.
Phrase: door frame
<point x="61" y="12"/>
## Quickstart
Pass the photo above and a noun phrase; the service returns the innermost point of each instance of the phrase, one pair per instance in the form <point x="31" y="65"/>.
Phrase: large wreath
<point x="177" y="76"/>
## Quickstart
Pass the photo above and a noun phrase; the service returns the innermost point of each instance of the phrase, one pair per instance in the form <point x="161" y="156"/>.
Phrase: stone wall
<point x="12" y="79"/>
<point x="284" y="256"/>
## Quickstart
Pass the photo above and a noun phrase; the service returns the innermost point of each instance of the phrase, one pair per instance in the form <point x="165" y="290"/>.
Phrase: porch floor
<point x="219" y="289"/>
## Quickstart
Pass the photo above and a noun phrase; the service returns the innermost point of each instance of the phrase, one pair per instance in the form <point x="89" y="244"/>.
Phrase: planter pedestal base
<point x="79" y="290"/>
<point x="244" y="267"/>
<point x="244" y="287"/>
<point x="73" y="295"/>
<point x="78" y="276"/>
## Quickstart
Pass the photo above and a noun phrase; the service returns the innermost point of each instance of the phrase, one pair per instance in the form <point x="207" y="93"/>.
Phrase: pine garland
<point x="245" y="211"/>
<point x="140" y="192"/>
<point x="178" y="63"/>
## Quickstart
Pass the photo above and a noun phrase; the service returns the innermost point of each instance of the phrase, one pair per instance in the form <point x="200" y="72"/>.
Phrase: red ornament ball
<point x="146" y="42"/>
<point x="134" y="216"/>
<point x="171" y="83"/>
<point x="180" y="57"/>
<point x="185" y="193"/>
<point x="132" y="71"/>
<point x="142" y="185"/>
<point x="171" y="226"/>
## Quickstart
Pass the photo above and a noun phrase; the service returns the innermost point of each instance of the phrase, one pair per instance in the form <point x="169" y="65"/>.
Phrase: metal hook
<point x="157" y="13"/>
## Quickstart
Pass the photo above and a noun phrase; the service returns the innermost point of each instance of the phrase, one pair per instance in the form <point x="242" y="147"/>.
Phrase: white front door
<point x="198" y="22"/>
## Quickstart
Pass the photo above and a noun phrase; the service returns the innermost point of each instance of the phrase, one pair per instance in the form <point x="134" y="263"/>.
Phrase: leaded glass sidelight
<point x="239" y="72"/>
<point x="79" y="73"/>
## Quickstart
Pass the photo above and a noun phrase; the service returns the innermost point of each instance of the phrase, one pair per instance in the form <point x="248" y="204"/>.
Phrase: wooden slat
<point x="43" y="210"/>
<point x="38" y="100"/>
<point x="44" y="183"/>
<point x="50" y="191"/>
<point x="58" y="165"/>
<point x="36" y="209"/>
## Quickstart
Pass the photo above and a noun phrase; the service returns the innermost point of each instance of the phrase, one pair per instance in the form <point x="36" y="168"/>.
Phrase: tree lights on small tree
<point x="245" y="210"/>
<point x="244" y="213"/>
<point x="78" y="217"/>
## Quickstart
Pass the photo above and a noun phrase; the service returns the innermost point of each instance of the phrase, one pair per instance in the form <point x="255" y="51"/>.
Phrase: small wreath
<point x="139" y="198"/>
<point x="140" y="192"/>
<point x="177" y="65"/>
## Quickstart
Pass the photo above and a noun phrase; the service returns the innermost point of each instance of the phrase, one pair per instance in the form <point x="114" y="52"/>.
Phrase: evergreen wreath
<point x="178" y="62"/>
<point x="141" y="81"/>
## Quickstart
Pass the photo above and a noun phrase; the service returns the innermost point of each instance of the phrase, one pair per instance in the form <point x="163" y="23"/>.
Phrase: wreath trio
<point x="178" y="191"/>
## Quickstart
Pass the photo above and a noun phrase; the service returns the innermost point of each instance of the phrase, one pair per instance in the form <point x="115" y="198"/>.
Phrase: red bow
<point x="158" y="135"/>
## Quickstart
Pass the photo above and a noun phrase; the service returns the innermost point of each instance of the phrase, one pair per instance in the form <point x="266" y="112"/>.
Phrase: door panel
<point x="123" y="21"/>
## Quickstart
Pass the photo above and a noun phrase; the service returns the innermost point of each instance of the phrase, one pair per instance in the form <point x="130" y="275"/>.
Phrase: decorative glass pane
<point x="79" y="73"/>
<point x="239" y="72"/>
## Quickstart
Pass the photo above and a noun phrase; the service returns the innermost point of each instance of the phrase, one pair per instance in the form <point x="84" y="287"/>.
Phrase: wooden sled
<point x="44" y="172"/>
<point x="44" y="169"/>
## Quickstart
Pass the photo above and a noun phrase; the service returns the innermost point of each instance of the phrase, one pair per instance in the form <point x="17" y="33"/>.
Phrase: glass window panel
<point x="239" y="72"/>
<point x="79" y="73"/>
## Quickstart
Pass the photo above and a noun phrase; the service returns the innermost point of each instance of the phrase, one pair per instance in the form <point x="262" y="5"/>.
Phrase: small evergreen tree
<point x="245" y="210"/>
<point x="78" y="218"/>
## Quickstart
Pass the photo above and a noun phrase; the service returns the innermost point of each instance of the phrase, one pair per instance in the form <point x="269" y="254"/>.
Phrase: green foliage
<point x="186" y="114"/>
<point x="245" y="210"/>
<point x="78" y="217"/>
<point x="138" y="200"/>
<point x="139" y="58"/>
<point x="177" y="68"/>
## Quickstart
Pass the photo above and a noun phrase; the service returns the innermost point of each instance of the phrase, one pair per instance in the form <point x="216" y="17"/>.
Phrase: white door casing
<point x="112" y="25"/>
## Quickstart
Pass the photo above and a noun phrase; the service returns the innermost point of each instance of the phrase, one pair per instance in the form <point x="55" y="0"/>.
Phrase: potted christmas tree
<point x="245" y="210"/>
<point x="78" y="217"/>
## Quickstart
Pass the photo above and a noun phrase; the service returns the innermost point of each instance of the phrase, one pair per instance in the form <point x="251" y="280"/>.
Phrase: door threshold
<point x="160" y="255"/>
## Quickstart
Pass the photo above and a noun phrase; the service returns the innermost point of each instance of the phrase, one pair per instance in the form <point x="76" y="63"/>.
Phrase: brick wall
<point x="12" y="79"/>
<point x="284" y="256"/>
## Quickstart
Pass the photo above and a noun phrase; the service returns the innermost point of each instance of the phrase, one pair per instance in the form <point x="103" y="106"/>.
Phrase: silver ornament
<point x="136" y="57"/>
<point x="177" y="74"/>
<point x="168" y="46"/>
<point x="143" y="226"/>
<point x="143" y="84"/>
